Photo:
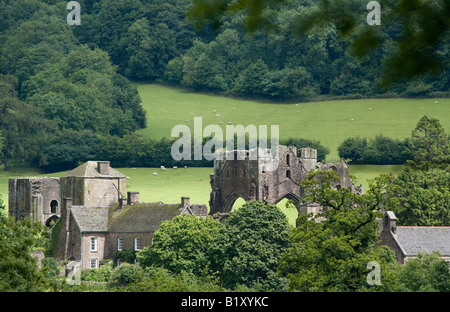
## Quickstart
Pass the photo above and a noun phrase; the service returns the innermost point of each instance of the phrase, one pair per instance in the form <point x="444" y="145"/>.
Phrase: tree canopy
<point x="333" y="248"/>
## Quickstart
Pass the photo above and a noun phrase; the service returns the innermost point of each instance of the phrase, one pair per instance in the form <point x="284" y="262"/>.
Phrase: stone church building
<point x="91" y="213"/>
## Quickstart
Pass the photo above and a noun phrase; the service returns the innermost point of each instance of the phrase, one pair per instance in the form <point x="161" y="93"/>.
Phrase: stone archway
<point x="51" y="221"/>
<point x="293" y="197"/>
<point x="230" y="200"/>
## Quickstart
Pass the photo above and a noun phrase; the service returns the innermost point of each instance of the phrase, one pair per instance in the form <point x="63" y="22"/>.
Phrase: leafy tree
<point x="249" y="247"/>
<point x="174" y="71"/>
<point x="331" y="249"/>
<point x="106" y="28"/>
<point x="384" y="150"/>
<point x="353" y="148"/>
<point x="157" y="279"/>
<point x="70" y="149"/>
<point x="430" y="145"/>
<point x="181" y="244"/>
<point x="149" y="49"/>
<point x="126" y="274"/>
<point x="422" y="197"/>
<point x="128" y="256"/>
<point x="23" y="127"/>
<point x="34" y="42"/>
<point x="422" y="188"/>
<point x="18" y="267"/>
<point x="250" y="80"/>
<point x="83" y="92"/>
<point x="427" y="272"/>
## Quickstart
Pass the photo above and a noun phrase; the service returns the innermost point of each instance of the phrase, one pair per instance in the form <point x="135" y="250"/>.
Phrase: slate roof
<point x="144" y="217"/>
<point x="89" y="170"/>
<point x="91" y="219"/>
<point x="414" y="239"/>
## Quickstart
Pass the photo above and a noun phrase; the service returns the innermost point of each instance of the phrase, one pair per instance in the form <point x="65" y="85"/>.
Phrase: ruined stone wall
<point x="269" y="180"/>
<point x="33" y="198"/>
<point x="73" y="187"/>
<point x="284" y="182"/>
<point x="19" y="198"/>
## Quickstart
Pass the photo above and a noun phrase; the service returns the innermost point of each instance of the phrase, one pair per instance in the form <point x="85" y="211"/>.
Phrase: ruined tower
<point x="266" y="179"/>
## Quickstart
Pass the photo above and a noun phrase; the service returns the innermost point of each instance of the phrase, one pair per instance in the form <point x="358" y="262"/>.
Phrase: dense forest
<point x="64" y="84"/>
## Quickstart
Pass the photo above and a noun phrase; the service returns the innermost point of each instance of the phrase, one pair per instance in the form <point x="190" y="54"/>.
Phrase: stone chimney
<point x="132" y="198"/>
<point x="103" y="167"/>
<point x="185" y="201"/>
<point x="390" y="222"/>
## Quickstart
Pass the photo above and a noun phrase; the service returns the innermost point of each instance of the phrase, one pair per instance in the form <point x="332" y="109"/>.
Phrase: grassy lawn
<point x="329" y="122"/>
<point x="169" y="186"/>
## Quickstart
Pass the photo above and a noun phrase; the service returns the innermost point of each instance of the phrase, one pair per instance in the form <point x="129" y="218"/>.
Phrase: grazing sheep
<point x="155" y="174"/>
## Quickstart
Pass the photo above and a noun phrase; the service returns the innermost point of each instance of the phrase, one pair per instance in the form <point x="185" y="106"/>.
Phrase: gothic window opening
<point x="288" y="174"/>
<point x="53" y="206"/>
<point x="288" y="160"/>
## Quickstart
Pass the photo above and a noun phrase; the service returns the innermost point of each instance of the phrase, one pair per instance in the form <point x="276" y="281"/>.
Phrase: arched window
<point x="288" y="174"/>
<point x="53" y="206"/>
<point x="288" y="160"/>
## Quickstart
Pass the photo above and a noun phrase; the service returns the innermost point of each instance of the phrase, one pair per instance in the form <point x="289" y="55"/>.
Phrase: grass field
<point x="169" y="186"/>
<point x="330" y="122"/>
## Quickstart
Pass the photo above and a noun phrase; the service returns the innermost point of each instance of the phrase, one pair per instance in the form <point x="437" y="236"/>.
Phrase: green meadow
<point x="329" y="122"/>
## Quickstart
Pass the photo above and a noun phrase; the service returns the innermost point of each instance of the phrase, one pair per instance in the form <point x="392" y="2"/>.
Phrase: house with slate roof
<point x="95" y="215"/>
<point x="408" y="241"/>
